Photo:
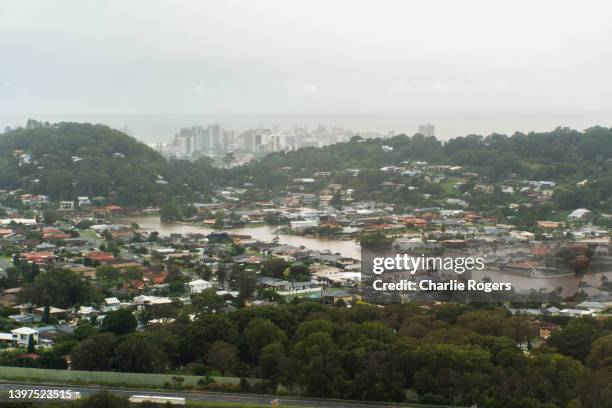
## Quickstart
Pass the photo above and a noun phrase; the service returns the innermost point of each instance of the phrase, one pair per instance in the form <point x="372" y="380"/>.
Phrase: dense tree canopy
<point x="67" y="160"/>
<point x="120" y="322"/>
<point x="95" y="353"/>
<point x="442" y="354"/>
<point x="60" y="288"/>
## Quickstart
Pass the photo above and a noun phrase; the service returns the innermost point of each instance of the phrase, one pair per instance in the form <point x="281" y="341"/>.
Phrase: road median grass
<point x="110" y="377"/>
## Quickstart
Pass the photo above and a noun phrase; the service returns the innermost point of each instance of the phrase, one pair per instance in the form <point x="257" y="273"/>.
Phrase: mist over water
<point x="151" y="128"/>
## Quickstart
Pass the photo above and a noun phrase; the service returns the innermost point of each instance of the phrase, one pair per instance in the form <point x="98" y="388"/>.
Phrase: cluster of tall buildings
<point x="427" y="129"/>
<point x="200" y="139"/>
<point x="213" y="139"/>
<point x="209" y="140"/>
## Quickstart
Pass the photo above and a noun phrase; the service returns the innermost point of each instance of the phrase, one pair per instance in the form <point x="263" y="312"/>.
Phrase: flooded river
<point x="261" y="232"/>
<point x="352" y="249"/>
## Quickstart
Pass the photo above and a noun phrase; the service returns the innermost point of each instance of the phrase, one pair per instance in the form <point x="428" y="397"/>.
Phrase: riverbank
<point x="262" y="232"/>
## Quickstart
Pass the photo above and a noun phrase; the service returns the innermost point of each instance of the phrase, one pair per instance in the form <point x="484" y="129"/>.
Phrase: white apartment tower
<point x="427" y="129"/>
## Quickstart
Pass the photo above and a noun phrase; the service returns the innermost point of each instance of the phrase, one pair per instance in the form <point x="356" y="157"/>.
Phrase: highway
<point x="193" y="396"/>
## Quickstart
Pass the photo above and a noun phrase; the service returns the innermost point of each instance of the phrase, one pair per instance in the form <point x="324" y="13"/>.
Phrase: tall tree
<point x="274" y="267"/>
<point x="247" y="282"/>
<point x="136" y="354"/>
<point x="261" y="332"/>
<point x="120" y="322"/>
<point x="169" y="212"/>
<point x="222" y="356"/>
<point x="95" y="353"/>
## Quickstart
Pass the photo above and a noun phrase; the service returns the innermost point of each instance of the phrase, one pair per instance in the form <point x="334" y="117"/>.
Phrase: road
<point x="192" y="396"/>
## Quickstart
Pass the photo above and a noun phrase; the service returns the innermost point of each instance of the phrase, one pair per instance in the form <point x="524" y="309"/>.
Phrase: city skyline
<point x="214" y="139"/>
<point x="151" y="128"/>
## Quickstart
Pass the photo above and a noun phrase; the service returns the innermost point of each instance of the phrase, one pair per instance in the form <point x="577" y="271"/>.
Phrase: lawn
<point x="449" y="186"/>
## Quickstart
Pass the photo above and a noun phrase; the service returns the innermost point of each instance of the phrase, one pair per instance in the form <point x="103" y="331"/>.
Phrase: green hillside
<point x="67" y="160"/>
<point x="563" y="155"/>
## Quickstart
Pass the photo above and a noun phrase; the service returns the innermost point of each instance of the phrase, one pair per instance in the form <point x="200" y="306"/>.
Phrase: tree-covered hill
<point x="537" y="155"/>
<point x="563" y="155"/>
<point x="67" y="160"/>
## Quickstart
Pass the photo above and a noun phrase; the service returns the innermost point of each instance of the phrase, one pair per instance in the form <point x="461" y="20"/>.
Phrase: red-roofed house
<point x="39" y="257"/>
<point x="156" y="278"/>
<point x="134" y="284"/>
<point x="54" y="234"/>
<point x="549" y="224"/>
<point x="101" y="257"/>
<point x="419" y="222"/>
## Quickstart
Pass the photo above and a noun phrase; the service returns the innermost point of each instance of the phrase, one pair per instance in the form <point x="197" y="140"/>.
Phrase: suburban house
<point x="39" y="257"/>
<point x="22" y="335"/>
<point x="544" y="329"/>
<point x="9" y="297"/>
<point x="199" y="285"/>
<point x="275" y="284"/>
<point x="110" y="304"/>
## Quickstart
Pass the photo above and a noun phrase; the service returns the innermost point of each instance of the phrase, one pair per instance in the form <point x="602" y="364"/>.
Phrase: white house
<point x="522" y="235"/>
<point x="85" y="311"/>
<point x="66" y="206"/>
<point x="457" y="201"/>
<point x="593" y="307"/>
<point x="151" y="300"/>
<point x="304" y="180"/>
<point x="22" y="335"/>
<point x="110" y="304"/>
<point x="575" y="312"/>
<point x="578" y="214"/>
<point x="24" y="221"/>
<point x="83" y="201"/>
<point x="199" y="285"/>
<point x="300" y="225"/>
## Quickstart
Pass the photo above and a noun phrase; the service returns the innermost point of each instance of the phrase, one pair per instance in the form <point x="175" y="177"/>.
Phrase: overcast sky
<point x="306" y="56"/>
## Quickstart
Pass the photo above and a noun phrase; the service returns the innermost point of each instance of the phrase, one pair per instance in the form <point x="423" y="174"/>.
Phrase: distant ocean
<point x="151" y="128"/>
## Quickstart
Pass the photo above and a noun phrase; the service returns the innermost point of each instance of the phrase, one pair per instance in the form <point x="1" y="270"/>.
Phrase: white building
<point x="66" y="205"/>
<point x="575" y="312"/>
<point x="21" y="336"/>
<point x="110" y="304"/>
<point x="300" y="225"/>
<point x="199" y="285"/>
<point x="427" y="129"/>
<point x="83" y="201"/>
<point x="151" y="300"/>
<point x="578" y="214"/>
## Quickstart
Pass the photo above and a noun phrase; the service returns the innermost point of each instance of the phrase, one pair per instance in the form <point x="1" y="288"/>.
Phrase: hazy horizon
<point x="152" y="128"/>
